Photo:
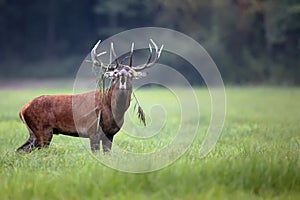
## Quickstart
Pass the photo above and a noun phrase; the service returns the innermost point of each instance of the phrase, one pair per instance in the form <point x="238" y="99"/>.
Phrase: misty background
<point x="251" y="41"/>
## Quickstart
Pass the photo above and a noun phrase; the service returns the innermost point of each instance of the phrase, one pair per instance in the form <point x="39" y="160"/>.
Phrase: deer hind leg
<point x="44" y="137"/>
<point x="29" y="145"/>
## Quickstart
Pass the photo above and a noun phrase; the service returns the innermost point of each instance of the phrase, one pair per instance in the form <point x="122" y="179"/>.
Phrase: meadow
<point x="256" y="156"/>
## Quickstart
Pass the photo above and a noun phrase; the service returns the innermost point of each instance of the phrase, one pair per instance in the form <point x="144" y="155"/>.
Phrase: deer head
<point x="122" y="74"/>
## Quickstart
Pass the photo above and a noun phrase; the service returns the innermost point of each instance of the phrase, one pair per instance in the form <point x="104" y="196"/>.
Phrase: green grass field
<point x="256" y="157"/>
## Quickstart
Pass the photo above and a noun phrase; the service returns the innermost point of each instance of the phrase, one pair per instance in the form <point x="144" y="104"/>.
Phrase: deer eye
<point x="116" y="73"/>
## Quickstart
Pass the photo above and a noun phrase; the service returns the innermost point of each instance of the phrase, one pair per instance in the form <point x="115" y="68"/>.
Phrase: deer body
<point x="77" y="115"/>
<point x="48" y="115"/>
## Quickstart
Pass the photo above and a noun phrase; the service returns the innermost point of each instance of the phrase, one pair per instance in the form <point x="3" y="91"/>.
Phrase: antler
<point x="148" y="63"/>
<point x="131" y="54"/>
<point x="114" y="53"/>
<point x="95" y="57"/>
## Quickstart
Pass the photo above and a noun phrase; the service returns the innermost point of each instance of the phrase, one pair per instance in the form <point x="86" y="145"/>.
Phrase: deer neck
<point x="120" y="101"/>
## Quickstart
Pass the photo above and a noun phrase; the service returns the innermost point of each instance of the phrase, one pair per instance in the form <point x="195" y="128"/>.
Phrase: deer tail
<point x="21" y="115"/>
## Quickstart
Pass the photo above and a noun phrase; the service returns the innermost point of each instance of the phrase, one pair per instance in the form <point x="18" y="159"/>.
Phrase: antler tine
<point x="95" y="56"/>
<point x="150" y="54"/>
<point x="161" y="48"/>
<point x="158" y="52"/>
<point x="131" y="55"/>
<point x="148" y="63"/>
<point x="148" y="60"/>
<point x="155" y="46"/>
<point x="114" y="53"/>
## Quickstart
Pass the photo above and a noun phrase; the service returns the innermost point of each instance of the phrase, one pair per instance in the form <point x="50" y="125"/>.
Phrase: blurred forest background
<point x="251" y="41"/>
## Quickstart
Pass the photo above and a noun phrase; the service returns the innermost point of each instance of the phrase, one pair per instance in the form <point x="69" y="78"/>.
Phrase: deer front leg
<point x="95" y="142"/>
<point x="107" y="142"/>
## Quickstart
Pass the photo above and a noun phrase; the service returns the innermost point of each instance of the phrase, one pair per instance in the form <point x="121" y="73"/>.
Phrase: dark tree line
<point x="252" y="41"/>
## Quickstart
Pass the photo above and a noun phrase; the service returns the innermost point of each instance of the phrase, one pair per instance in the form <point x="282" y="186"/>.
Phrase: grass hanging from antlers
<point x="140" y="111"/>
<point x="100" y="80"/>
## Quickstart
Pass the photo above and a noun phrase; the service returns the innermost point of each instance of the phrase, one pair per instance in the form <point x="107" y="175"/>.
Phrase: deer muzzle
<point x="123" y="80"/>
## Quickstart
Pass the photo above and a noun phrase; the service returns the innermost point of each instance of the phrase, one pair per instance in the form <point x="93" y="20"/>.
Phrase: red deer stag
<point x="55" y="114"/>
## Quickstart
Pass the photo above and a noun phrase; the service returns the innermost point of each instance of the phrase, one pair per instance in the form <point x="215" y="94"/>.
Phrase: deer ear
<point x="138" y="75"/>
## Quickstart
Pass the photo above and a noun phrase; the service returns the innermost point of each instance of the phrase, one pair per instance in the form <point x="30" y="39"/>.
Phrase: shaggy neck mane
<point x="119" y="101"/>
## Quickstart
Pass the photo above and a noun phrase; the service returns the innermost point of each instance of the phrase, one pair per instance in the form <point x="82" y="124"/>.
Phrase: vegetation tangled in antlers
<point x="100" y="69"/>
